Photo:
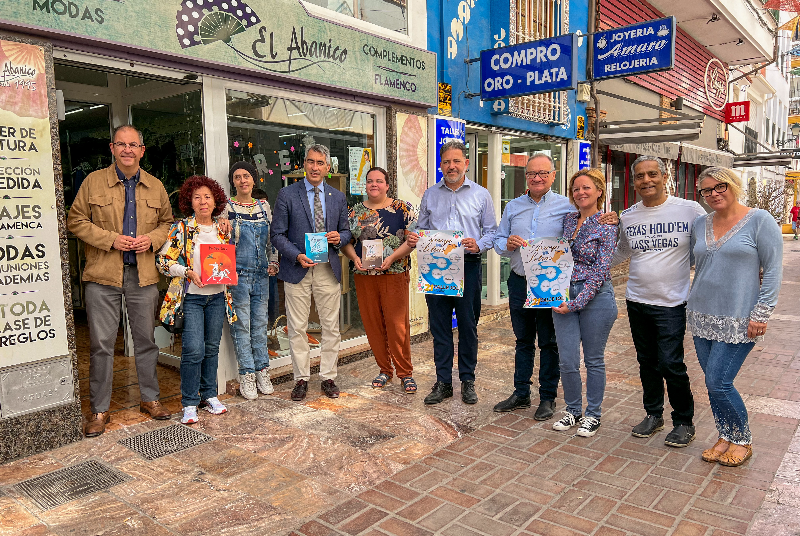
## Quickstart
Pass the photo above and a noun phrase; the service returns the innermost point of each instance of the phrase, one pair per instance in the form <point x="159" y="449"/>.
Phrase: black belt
<point x="129" y="264"/>
<point x="472" y="257"/>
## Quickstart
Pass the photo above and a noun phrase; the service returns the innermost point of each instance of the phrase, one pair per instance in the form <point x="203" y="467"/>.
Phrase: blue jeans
<point x="721" y="362"/>
<point x="528" y="324"/>
<point x="249" y="332"/>
<point x="590" y="326"/>
<point x="203" y="320"/>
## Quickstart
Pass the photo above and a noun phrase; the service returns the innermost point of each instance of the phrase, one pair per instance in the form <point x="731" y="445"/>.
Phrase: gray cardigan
<point x="726" y="293"/>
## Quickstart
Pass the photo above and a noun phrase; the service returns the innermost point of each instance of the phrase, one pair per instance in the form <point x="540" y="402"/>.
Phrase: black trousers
<point x="468" y="311"/>
<point x="658" y="337"/>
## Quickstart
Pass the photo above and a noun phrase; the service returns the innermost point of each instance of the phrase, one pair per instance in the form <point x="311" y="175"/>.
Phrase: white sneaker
<point x="213" y="406"/>
<point x="588" y="427"/>
<point x="263" y="382"/>
<point x="189" y="415"/>
<point x="566" y="422"/>
<point x="247" y="386"/>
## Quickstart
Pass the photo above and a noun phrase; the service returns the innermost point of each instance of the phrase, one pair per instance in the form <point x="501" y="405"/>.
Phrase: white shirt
<point x="657" y="240"/>
<point x="207" y="234"/>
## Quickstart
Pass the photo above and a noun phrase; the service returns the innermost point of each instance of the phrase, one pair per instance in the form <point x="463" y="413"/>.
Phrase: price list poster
<point x="32" y="314"/>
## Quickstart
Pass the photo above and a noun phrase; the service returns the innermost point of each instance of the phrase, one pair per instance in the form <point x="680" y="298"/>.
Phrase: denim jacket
<point x="254" y="251"/>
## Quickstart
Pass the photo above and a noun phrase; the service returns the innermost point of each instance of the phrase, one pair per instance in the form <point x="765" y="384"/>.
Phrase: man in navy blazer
<point x="310" y="206"/>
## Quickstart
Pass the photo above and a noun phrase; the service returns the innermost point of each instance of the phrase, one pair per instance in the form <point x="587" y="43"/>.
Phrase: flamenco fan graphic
<point x="30" y="100"/>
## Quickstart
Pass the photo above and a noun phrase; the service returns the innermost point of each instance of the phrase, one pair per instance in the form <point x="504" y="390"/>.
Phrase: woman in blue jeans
<point x="588" y="316"/>
<point x="256" y="260"/>
<point x="738" y="253"/>
<point x="204" y="306"/>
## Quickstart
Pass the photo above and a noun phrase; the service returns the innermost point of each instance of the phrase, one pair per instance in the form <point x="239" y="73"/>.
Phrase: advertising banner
<point x="548" y="269"/>
<point x="636" y="49"/>
<point x="447" y="129"/>
<point x="441" y="263"/>
<point x="278" y="37"/>
<point x="32" y="316"/>
<point x="527" y="68"/>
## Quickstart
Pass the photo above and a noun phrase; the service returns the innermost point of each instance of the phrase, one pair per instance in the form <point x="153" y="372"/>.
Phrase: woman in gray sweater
<point x="738" y="254"/>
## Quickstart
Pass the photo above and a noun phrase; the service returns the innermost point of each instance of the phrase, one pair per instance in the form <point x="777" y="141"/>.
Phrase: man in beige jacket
<point x="123" y="215"/>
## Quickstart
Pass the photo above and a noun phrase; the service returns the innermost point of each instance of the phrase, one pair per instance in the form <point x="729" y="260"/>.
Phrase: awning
<point x="763" y="160"/>
<point x="677" y="130"/>
<point x="691" y="153"/>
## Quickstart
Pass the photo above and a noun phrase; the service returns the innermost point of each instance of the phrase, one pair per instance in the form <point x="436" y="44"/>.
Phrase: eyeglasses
<point x="719" y="188"/>
<point x="533" y="174"/>
<point x="132" y="145"/>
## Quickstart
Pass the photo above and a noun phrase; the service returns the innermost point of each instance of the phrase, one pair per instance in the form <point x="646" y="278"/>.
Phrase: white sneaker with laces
<point x="263" y="382"/>
<point x="566" y="422"/>
<point x="589" y="426"/>
<point x="247" y="386"/>
<point x="213" y="406"/>
<point x="189" y="415"/>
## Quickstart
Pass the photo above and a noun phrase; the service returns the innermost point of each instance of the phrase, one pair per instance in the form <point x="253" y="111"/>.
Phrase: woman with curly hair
<point x="383" y="291"/>
<point x="204" y="305"/>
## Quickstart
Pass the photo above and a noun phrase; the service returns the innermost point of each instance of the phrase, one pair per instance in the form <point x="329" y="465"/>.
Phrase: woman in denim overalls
<point x="256" y="260"/>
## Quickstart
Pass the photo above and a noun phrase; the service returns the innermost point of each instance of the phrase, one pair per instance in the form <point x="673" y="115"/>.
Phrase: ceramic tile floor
<point x="381" y="463"/>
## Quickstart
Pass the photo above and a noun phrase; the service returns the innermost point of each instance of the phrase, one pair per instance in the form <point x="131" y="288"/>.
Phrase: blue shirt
<point x="310" y="193"/>
<point x="469" y="209"/>
<point x="526" y="218"/>
<point x="129" y="217"/>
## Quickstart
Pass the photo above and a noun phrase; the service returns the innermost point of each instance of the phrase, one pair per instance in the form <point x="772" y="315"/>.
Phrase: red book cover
<point x="218" y="264"/>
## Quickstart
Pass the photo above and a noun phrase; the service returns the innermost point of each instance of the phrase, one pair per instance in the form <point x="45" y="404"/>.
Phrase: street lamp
<point x="795" y="128"/>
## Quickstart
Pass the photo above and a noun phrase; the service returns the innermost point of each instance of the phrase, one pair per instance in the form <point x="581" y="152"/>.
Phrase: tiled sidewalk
<point x="381" y="463"/>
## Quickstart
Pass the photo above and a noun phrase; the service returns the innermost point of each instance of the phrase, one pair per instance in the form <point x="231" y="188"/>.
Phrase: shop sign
<point x="716" y="84"/>
<point x="737" y="112"/>
<point x="34" y="387"/>
<point x="499" y="107"/>
<point x="249" y="36"/>
<point x="580" y="133"/>
<point x="445" y="99"/>
<point x="32" y="314"/>
<point x="528" y="68"/>
<point x="447" y="129"/>
<point x="640" y="48"/>
<point x="584" y="154"/>
<point x="506" y="156"/>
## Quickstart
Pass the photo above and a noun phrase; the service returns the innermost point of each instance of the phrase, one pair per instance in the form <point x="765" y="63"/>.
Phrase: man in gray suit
<point x="310" y="206"/>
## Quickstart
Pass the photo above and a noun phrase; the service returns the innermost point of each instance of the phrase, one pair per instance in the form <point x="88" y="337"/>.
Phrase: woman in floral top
<point x="587" y="317"/>
<point x="382" y="285"/>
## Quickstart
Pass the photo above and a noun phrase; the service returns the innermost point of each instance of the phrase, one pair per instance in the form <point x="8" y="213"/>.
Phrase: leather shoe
<point x="330" y="389"/>
<point x="468" y="394"/>
<point x="155" y="410"/>
<point x="513" y="402"/>
<point x="97" y="424"/>
<point x="680" y="436"/>
<point x="545" y="410"/>
<point x="299" y="391"/>
<point x="648" y="427"/>
<point x="440" y="392"/>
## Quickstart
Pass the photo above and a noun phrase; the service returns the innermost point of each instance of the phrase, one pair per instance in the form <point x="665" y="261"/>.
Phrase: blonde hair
<point x="721" y="174"/>
<point x="597" y="178"/>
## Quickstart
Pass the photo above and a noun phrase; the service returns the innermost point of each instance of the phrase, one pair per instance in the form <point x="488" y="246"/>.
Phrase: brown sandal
<point x="712" y="455"/>
<point x="730" y="460"/>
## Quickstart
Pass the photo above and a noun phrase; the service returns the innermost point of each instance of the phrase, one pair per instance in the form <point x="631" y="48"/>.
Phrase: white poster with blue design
<point x="440" y="257"/>
<point x="447" y="129"/>
<point x="548" y="269"/>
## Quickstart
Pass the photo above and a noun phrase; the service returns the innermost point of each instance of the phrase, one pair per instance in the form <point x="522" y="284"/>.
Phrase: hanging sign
<point x="636" y="49"/>
<point x="445" y="99"/>
<point x="527" y="68"/>
<point x="447" y="129"/>
<point x="584" y="154"/>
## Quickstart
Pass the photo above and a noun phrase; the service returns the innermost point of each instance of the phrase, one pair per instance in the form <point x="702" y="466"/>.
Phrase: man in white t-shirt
<point x="654" y="234"/>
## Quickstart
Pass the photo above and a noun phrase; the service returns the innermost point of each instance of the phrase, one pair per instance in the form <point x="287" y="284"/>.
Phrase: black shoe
<point x="545" y="410"/>
<point x="299" y="391"/>
<point x="440" y="392"/>
<point x="330" y="389"/>
<point x="649" y="426"/>
<point x="513" y="402"/>
<point x="468" y="394"/>
<point x="680" y="436"/>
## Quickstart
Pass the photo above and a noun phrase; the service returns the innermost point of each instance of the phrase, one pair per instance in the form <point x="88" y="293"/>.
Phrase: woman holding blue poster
<point x="592" y="310"/>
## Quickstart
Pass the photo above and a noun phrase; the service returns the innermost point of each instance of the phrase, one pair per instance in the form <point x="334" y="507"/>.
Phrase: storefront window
<point x="272" y="133"/>
<point x="391" y="14"/>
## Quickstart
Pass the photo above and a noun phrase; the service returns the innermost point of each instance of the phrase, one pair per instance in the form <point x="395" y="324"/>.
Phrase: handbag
<point x="273" y="343"/>
<point x="178" y="319"/>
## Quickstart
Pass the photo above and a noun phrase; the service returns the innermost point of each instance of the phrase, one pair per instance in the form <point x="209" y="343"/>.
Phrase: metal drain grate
<point x="164" y="441"/>
<point x="71" y="483"/>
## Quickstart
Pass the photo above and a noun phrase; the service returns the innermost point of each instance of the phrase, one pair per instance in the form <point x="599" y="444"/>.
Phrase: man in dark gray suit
<point x="310" y="206"/>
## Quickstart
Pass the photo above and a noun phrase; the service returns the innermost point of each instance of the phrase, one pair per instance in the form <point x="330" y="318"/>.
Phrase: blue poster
<point x="533" y="67"/>
<point x="584" y="154"/>
<point x="636" y="49"/>
<point x="317" y="247"/>
<point x="447" y="129"/>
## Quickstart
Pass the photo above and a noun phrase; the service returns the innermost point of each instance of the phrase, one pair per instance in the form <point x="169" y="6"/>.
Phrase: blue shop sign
<point x="533" y="67"/>
<point x="584" y="155"/>
<point x="640" y="48"/>
<point x="447" y="129"/>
